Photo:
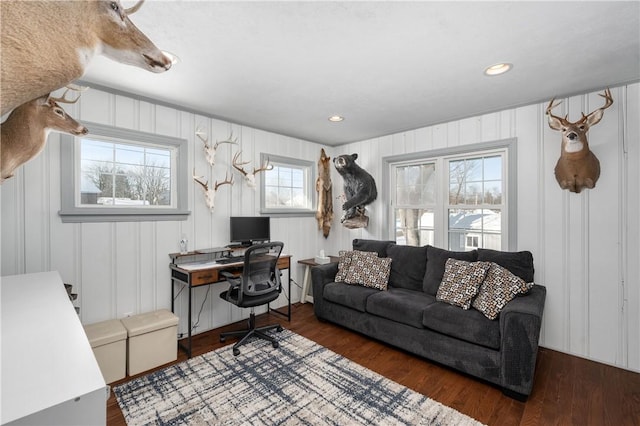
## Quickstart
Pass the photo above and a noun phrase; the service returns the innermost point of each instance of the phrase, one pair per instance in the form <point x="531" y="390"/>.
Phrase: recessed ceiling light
<point x="336" y="118"/>
<point x="172" y="57"/>
<point x="498" y="69"/>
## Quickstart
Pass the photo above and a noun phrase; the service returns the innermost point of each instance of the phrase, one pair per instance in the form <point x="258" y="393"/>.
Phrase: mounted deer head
<point x="578" y="167"/>
<point x="48" y="44"/>
<point x="210" y="150"/>
<point x="209" y="193"/>
<point x="24" y="133"/>
<point x="249" y="178"/>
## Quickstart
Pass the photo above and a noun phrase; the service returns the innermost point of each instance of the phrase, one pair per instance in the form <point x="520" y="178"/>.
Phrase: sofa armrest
<point x="320" y="276"/>
<point x="520" y="323"/>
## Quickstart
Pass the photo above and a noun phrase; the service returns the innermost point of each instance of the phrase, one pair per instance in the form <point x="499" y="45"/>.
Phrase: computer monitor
<point x="247" y="230"/>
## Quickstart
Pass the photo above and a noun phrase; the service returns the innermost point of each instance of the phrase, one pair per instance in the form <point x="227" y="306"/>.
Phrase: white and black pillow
<point x="344" y="262"/>
<point x="369" y="271"/>
<point x="499" y="287"/>
<point x="461" y="281"/>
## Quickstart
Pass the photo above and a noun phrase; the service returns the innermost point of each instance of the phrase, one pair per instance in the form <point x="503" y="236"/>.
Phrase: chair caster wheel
<point x="236" y="351"/>
<point x="223" y="339"/>
<point x="279" y="329"/>
<point x="275" y="344"/>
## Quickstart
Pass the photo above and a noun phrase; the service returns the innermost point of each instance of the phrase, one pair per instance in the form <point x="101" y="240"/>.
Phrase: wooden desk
<point x="306" y="281"/>
<point x="191" y="270"/>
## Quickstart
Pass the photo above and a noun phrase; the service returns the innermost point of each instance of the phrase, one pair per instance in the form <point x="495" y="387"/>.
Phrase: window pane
<point x="125" y="175"/>
<point x="415" y="185"/>
<point x="414" y="226"/>
<point x="467" y="224"/>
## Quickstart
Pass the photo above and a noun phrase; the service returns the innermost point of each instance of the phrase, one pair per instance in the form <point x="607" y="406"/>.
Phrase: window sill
<point x="120" y="215"/>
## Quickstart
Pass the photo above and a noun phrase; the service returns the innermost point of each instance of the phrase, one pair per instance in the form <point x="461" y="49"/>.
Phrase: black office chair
<point x="258" y="285"/>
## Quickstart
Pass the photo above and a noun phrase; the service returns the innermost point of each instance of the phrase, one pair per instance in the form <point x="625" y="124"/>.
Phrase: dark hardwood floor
<point x="567" y="391"/>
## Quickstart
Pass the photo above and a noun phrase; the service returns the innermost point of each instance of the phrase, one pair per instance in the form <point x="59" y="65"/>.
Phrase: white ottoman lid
<point x="105" y="332"/>
<point x="148" y="322"/>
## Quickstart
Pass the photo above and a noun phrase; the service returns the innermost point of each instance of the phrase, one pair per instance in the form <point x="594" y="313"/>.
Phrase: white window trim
<point x="70" y="168"/>
<point x="510" y="174"/>
<point x="309" y="186"/>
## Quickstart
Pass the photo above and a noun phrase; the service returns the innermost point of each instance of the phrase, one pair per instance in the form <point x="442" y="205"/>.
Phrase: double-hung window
<point x="459" y="199"/>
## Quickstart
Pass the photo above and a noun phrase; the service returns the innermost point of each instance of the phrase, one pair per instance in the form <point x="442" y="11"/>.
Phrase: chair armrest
<point x="234" y="280"/>
<point x="320" y="276"/>
<point x="520" y="323"/>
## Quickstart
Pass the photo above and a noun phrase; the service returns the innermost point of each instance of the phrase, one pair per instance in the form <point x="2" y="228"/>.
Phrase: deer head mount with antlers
<point x="210" y="193"/>
<point x="249" y="177"/>
<point x="578" y="167"/>
<point x="210" y="150"/>
<point x="24" y="133"/>
<point x="48" y="44"/>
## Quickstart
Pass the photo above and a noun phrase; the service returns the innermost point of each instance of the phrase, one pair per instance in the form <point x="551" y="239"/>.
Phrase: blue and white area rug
<point x="299" y="383"/>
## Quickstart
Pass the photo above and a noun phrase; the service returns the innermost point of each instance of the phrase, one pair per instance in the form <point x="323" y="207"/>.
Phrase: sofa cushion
<point x="368" y="271"/>
<point x="351" y="296"/>
<point x="378" y="246"/>
<point x="498" y="288"/>
<point x="518" y="263"/>
<point x="461" y="282"/>
<point x="344" y="262"/>
<point x="469" y="325"/>
<point x="436" y="259"/>
<point x="400" y="305"/>
<point x="408" y="266"/>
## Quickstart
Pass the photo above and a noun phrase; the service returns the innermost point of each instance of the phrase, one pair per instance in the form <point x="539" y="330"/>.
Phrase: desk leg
<point x="288" y="314"/>
<point x="305" y="284"/>
<point x="187" y="347"/>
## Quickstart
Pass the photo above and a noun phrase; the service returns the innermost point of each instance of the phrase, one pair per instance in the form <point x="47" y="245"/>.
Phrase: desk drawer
<point x="204" y="277"/>
<point x="283" y="263"/>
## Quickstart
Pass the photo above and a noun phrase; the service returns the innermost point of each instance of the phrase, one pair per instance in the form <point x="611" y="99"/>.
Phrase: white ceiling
<point x="387" y="67"/>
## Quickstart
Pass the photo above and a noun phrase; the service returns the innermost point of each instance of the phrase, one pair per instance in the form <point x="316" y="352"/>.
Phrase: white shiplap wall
<point x="585" y="246"/>
<point x="122" y="267"/>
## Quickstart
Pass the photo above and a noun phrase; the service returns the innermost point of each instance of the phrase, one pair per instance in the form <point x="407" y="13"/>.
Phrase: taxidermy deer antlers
<point x="249" y="178"/>
<point x="210" y="193"/>
<point x="210" y="150"/>
<point x="25" y="131"/>
<point x="578" y="167"/>
<point x="38" y="57"/>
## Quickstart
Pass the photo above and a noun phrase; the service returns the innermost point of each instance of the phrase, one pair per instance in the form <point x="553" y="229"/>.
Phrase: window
<point x="460" y="199"/>
<point x="116" y="175"/>
<point x="287" y="188"/>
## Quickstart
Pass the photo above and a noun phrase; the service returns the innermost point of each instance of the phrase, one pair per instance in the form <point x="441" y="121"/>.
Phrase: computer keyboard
<point x="230" y="259"/>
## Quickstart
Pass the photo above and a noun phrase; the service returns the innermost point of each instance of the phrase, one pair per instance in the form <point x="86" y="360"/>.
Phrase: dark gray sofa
<point x="407" y="315"/>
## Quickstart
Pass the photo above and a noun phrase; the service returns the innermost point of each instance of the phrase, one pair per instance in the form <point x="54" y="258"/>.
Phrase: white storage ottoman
<point x="108" y="340"/>
<point x="153" y="340"/>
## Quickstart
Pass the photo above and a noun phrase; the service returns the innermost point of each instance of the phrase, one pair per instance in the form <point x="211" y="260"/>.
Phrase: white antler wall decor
<point x="249" y="177"/>
<point x="210" y="150"/>
<point x="210" y="193"/>
<point x="210" y="155"/>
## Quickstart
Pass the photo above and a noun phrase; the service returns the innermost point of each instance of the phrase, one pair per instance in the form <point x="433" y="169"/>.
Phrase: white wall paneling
<point x="121" y="268"/>
<point x="585" y="245"/>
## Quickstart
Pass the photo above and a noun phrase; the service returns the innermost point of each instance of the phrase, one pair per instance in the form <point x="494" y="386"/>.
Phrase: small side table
<point x="306" y="282"/>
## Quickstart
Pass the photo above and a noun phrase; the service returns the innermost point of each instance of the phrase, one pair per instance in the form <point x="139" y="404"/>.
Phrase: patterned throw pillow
<point x="344" y="263"/>
<point x="499" y="287"/>
<point x="461" y="281"/>
<point x="369" y="271"/>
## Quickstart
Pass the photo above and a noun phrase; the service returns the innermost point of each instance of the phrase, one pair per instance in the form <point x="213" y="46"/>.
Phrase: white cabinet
<point x="49" y="373"/>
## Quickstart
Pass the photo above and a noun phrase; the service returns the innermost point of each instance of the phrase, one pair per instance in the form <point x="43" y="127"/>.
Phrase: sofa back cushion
<point x="378" y="246"/>
<point x="518" y="263"/>
<point x="436" y="259"/>
<point x="408" y="266"/>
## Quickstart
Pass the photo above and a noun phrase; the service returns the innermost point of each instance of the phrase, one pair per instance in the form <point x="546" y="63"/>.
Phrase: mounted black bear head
<point x="359" y="186"/>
